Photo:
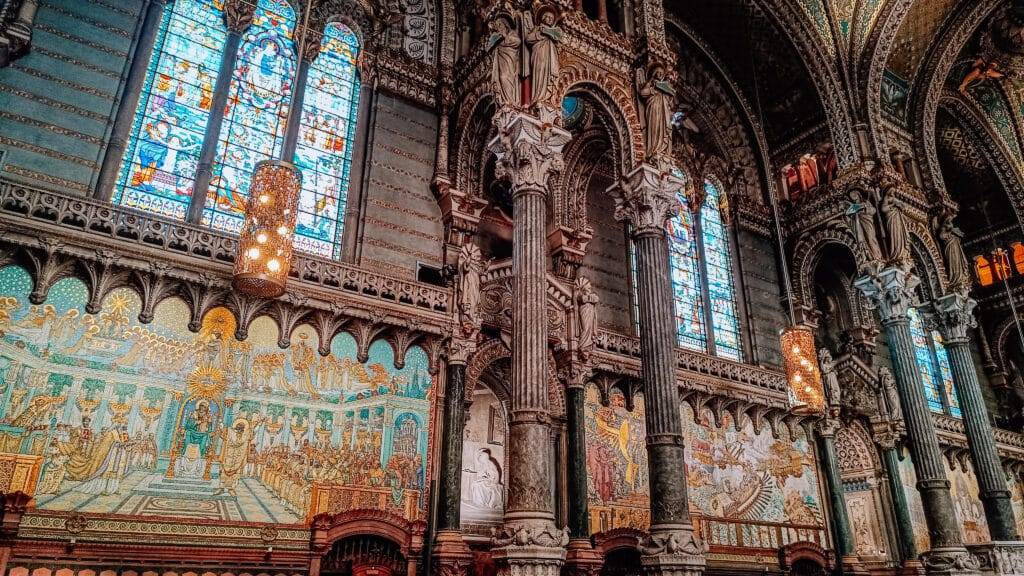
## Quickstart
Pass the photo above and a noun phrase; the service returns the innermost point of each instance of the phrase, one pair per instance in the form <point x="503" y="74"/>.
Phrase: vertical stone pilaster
<point x="953" y="316"/>
<point x="906" y="545"/>
<point x="129" y="101"/>
<point x="843" y="534"/>
<point x="581" y="558"/>
<point x="646" y="198"/>
<point x="529" y="151"/>
<point x="891" y="291"/>
<point x="238" y="16"/>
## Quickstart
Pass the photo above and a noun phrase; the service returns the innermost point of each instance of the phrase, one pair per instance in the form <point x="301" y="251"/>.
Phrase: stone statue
<point x="586" y="311"/>
<point x="895" y="228"/>
<point x="471" y="266"/>
<point x="892" y="398"/>
<point x="505" y="45"/>
<point x="862" y="215"/>
<point x="657" y="96"/>
<point x="829" y="377"/>
<point x="953" y="250"/>
<point x="543" y="41"/>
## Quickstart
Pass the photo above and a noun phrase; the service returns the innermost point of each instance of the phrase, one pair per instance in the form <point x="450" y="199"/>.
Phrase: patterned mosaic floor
<point x="148" y="494"/>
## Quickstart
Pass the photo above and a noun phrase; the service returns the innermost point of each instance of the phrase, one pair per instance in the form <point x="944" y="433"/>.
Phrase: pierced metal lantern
<point x="265" y="242"/>
<point x="806" y="393"/>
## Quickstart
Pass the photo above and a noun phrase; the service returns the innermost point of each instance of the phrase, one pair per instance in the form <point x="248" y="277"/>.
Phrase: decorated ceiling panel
<point x="918" y="31"/>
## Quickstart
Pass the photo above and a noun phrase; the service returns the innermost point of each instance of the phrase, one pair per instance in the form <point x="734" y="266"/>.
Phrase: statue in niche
<point x="829" y="377"/>
<point x="471" y="267"/>
<point x="656" y="95"/>
<point x="862" y="215"/>
<point x="505" y="45"/>
<point x="586" y="312"/>
<point x="890" y="394"/>
<point x="543" y="41"/>
<point x="486" y="490"/>
<point x="895" y="228"/>
<point x="952" y="248"/>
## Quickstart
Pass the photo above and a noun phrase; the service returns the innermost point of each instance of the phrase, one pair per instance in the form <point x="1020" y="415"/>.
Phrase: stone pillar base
<point x="451" y="555"/>
<point x="1000" y="558"/>
<point x="581" y="559"/>
<point x="673" y="565"/>
<point x="911" y="568"/>
<point x="529" y="560"/>
<point x="952" y="561"/>
<point x="852" y="566"/>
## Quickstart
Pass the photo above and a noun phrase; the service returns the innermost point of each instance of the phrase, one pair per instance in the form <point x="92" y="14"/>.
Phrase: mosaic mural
<point x="1017" y="499"/>
<point x="152" y="419"/>
<point x="964" y="489"/>
<point x="617" y="481"/>
<point x="909" y="478"/>
<point x="483" y="460"/>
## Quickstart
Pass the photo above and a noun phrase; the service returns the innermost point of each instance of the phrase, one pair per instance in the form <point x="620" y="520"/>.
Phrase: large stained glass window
<point x="254" y="120"/>
<point x="933" y="365"/>
<point x="718" y="262"/>
<point x="324" y="151"/>
<point x="700" y="264"/>
<point x="160" y="160"/>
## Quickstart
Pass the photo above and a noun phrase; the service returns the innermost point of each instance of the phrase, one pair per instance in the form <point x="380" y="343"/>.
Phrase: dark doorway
<point x="622" y="562"/>
<point x="364" y="556"/>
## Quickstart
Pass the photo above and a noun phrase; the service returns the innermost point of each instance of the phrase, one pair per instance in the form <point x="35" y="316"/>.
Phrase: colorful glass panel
<point x="326" y="133"/>
<point x="257" y="108"/>
<point x="925" y="363"/>
<point x="946" y="372"/>
<point x="718" y="262"/>
<point x="174" y="107"/>
<point x="684" y="267"/>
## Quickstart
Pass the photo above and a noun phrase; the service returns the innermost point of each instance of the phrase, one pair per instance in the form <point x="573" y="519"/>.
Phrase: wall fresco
<point x="1017" y="500"/>
<point x="483" y="461"/>
<point x="152" y="419"/>
<point x="617" y="481"/>
<point x="964" y="489"/>
<point x="909" y="478"/>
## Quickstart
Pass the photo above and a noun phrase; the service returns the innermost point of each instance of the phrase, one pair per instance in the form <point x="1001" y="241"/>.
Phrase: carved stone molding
<point x="646" y="198"/>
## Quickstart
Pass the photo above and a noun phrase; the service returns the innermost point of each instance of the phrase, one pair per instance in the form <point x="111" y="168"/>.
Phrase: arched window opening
<point x="983" y="269"/>
<point x="158" y="169"/>
<point x="254" y="120"/>
<point x="1018" y="257"/>
<point x="324" y="151"/>
<point x="933" y="365"/>
<point x="719" y="273"/>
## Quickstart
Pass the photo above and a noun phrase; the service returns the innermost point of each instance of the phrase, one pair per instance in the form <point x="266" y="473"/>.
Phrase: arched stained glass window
<point x="159" y="165"/>
<point x="933" y="365"/>
<point x="324" y="151"/>
<point x="254" y="120"/>
<point x="718" y="261"/>
<point x="684" y="266"/>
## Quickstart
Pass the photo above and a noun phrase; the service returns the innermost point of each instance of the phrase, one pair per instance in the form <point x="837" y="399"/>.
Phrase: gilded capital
<point x="529" y="149"/>
<point x="646" y="198"/>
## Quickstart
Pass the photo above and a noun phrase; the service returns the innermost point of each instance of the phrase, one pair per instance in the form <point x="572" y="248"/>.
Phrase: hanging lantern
<point x="806" y="393"/>
<point x="265" y="242"/>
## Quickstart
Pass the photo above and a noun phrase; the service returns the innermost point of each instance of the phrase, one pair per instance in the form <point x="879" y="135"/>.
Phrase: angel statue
<point x="657" y="96"/>
<point x="830" y="377"/>
<point x="890" y="395"/>
<point x="895" y="228"/>
<point x="953" y="249"/>
<point x="504" y="45"/>
<point x="862" y="215"/>
<point x="543" y="41"/>
<point x="586" y="311"/>
<point x="471" y="266"/>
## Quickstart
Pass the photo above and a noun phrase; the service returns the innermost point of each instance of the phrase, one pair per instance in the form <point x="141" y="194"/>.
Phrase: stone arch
<point x="808" y="253"/>
<point x="928" y="261"/>
<point x="873" y="63"/>
<point x="495" y="350"/>
<point x="855" y="451"/>
<point x="473" y="131"/>
<point x="614" y="96"/>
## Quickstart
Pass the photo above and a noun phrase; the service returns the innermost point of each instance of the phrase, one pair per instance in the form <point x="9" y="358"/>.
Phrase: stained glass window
<point x="254" y="120"/>
<point x="160" y="160"/>
<point x="684" y="267"/>
<point x="933" y="364"/>
<point x="324" y="152"/>
<point x="718" y="262"/>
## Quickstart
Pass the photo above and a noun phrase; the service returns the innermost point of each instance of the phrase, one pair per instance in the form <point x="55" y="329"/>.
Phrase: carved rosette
<point x="646" y="198"/>
<point x="529" y="150"/>
<point x="891" y="291"/>
<point x="953" y="316"/>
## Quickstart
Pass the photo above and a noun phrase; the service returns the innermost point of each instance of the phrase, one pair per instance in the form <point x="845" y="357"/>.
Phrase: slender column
<point x="891" y="291"/>
<point x="130" y="95"/>
<point x="900" y="510"/>
<point x="844" y="545"/>
<point x="953" y="316"/>
<point x="451" y="555"/>
<point x="579" y="512"/>
<point x="646" y="198"/>
<point x="529" y="151"/>
<point x="310" y="50"/>
<point x="237" y="17"/>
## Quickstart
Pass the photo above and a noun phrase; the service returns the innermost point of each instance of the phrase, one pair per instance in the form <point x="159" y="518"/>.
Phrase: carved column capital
<point x="827" y="427"/>
<point x="459" y="350"/>
<point x="238" y="15"/>
<point x="529" y="149"/>
<point x="646" y="198"/>
<point x="890" y="291"/>
<point x="953" y="316"/>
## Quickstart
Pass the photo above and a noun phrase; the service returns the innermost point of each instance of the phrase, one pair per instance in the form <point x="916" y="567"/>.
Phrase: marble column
<point x="953" y="316"/>
<point x="843" y="534"/>
<point x="581" y="558"/>
<point x="905" y="538"/>
<point x="646" y="199"/>
<point x="529" y="151"/>
<point x="238" y="16"/>
<point x="130" y="94"/>
<point x="891" y="291"/>
<point x="310" y="51"/>
<point x="451" y="555"/>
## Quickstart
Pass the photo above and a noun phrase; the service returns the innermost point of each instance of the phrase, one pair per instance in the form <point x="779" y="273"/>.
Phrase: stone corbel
<point x="460" y="213"/>
<point x="568" y="247"/>
<point x="16" y="23"/>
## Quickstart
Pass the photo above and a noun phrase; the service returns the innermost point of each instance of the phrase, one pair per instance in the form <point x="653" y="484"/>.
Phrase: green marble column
<point x="906" y="545"/>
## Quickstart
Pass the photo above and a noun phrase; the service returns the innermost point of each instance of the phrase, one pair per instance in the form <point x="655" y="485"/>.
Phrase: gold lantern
<point x="806" y="392"/>
<point x="265" y="242"/>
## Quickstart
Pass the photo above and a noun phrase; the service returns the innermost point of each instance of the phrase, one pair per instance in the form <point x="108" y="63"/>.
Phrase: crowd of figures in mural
<point x="152" y="419"/>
